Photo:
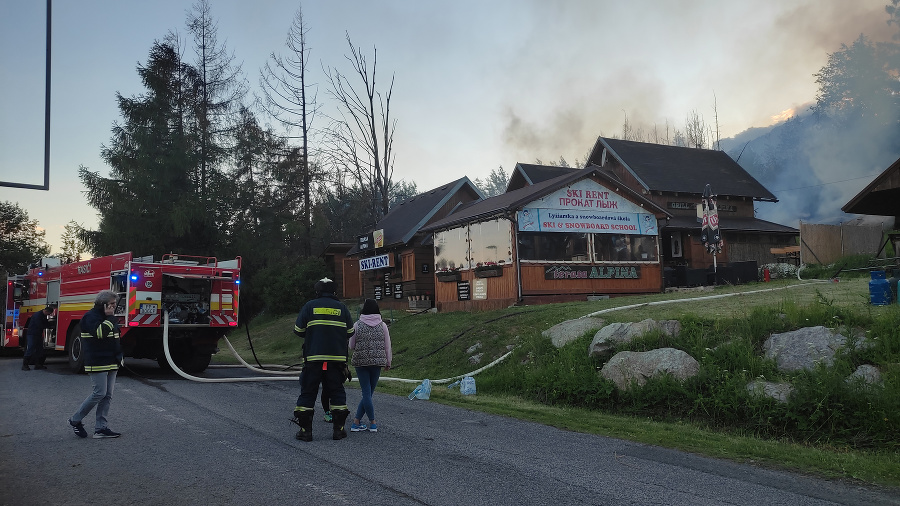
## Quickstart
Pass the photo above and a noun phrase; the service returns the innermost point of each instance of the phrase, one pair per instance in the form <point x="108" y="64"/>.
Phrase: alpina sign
<point x="592" y="272"/>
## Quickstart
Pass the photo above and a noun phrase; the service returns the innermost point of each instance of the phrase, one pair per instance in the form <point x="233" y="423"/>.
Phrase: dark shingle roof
<point x="732" y="224"/>
<point x="511" y="201"/>
<point x="685" y="170"/>
<point x="530" y="174"/>
<point x="881" y="197"/>
<point x="409" y="216"/>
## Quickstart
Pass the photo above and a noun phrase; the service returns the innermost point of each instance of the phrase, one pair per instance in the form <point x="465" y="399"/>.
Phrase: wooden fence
<point x="825" y="244"/>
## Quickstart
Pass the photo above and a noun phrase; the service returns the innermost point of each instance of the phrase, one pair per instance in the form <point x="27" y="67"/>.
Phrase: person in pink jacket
<point x="371" y="345"/>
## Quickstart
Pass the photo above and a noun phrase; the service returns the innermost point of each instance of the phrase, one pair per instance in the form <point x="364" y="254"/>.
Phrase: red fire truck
<point x="199" y="294"/>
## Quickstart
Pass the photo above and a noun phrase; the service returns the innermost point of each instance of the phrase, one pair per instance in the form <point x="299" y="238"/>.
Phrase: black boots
<point x="340" y="416"/>
<point x="304" y="419"/>
<point x="25" y="365"/>
<point x="40" y="364"/>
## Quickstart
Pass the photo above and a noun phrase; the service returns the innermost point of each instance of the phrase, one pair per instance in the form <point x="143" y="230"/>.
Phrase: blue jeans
<point x="368" y="380"/>
<point x="103" y="384"/>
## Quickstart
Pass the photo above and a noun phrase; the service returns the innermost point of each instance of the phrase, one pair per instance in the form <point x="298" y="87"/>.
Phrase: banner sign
<point x="592" y="272"/>
<point x="377" y="262"/>
<point x="364" y="242"/>
<point x="586" y="206"/>
<point x="557" y="220"/>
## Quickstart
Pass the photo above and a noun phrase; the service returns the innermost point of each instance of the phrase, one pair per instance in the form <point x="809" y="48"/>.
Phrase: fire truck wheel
<point x="76" y="355"/>
<point x="198" y="362"/>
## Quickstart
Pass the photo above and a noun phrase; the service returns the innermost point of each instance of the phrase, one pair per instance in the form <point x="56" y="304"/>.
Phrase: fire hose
<point x="283" y="375"/>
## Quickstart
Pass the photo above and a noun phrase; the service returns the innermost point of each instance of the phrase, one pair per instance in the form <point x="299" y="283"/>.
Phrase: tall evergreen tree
<point x="151" y="202"/>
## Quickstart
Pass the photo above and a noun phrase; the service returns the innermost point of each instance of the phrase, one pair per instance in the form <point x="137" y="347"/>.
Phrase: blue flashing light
<point x="134" y="277"/>
<point x="237" y="281"/>
<point x="40" y="273"/>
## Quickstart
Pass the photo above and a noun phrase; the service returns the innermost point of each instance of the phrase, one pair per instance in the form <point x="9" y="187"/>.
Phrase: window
<point x="553" y="246"/>
<point x="451" y="249"/>
<point x="490" y="242"/>
<point x="625" y="248"/>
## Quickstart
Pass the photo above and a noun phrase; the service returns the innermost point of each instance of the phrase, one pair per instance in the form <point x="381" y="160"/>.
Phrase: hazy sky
<point x="479" y="84"/>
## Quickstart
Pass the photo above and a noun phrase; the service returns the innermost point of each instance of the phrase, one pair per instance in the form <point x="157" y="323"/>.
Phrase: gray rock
<point x="476" y="359"/>
<point x="475" y="347"/>
<point x="867" y="374"/>
<point x="606" y="338"/>
<point x="567" y="331"/>
<point x="778" y="391"/>
<point x="804" y="348"/>
<point x="628" y="368"/>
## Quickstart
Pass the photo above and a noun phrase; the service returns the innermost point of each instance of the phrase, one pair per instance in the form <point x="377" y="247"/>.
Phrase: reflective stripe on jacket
<point x="325" y="324"/>
<point x="100" y="341"/>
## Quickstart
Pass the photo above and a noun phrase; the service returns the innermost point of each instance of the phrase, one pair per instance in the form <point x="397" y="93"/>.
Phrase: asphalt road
<point x="190" y="443"/>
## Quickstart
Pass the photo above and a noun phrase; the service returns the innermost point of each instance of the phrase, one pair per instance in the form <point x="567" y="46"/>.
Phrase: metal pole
<point x="47" y="107"/>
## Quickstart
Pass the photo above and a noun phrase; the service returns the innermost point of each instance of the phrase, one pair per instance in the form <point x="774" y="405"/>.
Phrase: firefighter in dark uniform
<point x="325" y="324"/>
<point x="34" y="350"/>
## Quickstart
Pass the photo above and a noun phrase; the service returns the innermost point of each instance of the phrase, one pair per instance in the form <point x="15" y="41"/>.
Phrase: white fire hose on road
<point x="285" y="375"/>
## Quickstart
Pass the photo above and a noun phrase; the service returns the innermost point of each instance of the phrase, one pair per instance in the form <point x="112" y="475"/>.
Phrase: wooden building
<point x="394" y="263"/>
<point x="674" y="178"/>
<point x="881" y="197"/>
<point x="577" y="234"/>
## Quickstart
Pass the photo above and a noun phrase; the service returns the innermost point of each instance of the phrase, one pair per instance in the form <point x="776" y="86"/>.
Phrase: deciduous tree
<point x="361" y="135"/>
<point x="21" y="239"/>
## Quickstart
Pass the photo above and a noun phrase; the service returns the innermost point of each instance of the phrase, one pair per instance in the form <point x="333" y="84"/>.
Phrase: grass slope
<point x="443" y="345"/>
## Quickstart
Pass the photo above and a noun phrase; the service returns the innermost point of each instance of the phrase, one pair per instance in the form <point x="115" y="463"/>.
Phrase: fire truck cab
<point x="199" y="295"/>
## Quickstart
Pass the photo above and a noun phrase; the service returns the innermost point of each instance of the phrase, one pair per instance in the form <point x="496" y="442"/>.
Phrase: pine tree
<point x="151" y="203"/>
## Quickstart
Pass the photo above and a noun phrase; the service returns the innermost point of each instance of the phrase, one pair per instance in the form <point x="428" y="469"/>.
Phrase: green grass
<point x="827" y="431"/>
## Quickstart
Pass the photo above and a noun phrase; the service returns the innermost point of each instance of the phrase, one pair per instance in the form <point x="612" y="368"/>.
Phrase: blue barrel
<point x="879" y="289"/>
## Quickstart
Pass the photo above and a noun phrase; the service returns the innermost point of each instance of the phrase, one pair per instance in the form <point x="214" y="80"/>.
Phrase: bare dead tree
<point x="220" y="88"/>
<point x="291" y="100"/>
<point x="717" y="139"/>
<point x="360" y="136"/>
<point x="695" y="131"/>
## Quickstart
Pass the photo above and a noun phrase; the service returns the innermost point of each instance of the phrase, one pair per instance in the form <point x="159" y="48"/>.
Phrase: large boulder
<point x="615" y="333"/>
<point x="803" y="348"/>
<point x="778" y="391"/>
<point x="628" y="368"/>
<point x="867" y="374"/>
<point x="563" y="333"/>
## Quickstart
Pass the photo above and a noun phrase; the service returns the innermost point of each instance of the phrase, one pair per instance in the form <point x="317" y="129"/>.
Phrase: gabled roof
<point x="409" y="216"/>
<point x="506" y="203"/>
<point x="881" y="197"/>
<point x="677" y="169"/>
<point x="526" y="174"/>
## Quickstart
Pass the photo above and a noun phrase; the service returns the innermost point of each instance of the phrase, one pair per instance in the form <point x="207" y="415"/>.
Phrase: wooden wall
<point x="352" y="281"/>
<point x="501" y="292"/>
<point x="533" y="282"/>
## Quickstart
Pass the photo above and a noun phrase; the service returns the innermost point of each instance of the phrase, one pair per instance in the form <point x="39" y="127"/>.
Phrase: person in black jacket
<point x="34" y="351"/>
<point x="102" y="356"/>
<point x="325" y="324"/>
